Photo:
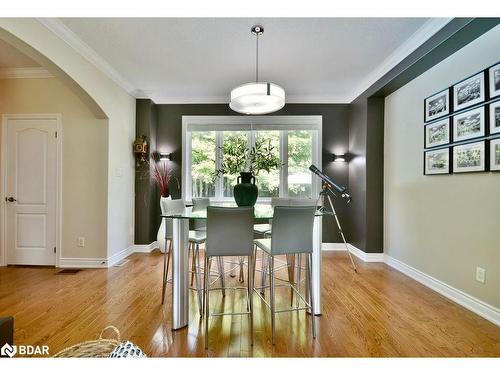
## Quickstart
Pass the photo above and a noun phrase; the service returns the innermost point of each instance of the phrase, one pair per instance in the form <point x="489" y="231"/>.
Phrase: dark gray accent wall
<point x="335" y="138"/>
<point x="366" y="126"/>
<point x="357" y="127"/>
<point x="146" y="193"/>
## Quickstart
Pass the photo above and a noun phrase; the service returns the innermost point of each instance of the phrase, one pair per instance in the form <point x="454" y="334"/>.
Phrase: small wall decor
<point x="437" y="161"/>
<point x="469" y="157"/>
<point x="437" y="105"/>
<point x="494" y="117"/>
<point x="468" y="92"/>
<point x="495" y="155"/>
<point x="437" y="133"/>
<point x="468" y="125"/>
<point x="141" y="150"/>
<point x="494" y="80"/>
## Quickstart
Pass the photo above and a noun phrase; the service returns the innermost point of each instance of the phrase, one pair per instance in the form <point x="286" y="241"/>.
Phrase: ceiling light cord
<point x="257" y="59"/>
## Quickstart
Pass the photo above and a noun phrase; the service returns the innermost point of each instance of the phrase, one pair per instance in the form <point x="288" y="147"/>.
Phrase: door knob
<point x="10" y="199"/>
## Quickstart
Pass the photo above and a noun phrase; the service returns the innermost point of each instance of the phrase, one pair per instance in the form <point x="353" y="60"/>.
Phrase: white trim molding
<point x="63" y="32"/>
<point x="425" y="32"/>
<point x="471" y="303"/>
<point x="15" y="73"/>
<point x="83" y="263"/>
<point x="146" y="248"/>
<point x="365" y="257"/>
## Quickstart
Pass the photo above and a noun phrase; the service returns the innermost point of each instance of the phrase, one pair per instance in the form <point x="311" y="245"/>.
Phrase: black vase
<point x="245" y="191"/>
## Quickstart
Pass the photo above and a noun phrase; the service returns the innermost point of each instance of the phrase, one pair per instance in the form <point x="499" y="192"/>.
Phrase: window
<point x="208" y="141"/>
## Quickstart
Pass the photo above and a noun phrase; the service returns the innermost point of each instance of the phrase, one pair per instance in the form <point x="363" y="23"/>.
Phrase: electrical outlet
<point x="480" y="275"/>
<point x="81" y="241"/>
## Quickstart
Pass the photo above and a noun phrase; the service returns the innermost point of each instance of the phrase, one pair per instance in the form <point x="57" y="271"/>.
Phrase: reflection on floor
<point x="377" y="312"/>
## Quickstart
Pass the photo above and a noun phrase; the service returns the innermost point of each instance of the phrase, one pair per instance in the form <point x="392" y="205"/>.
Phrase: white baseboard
<point x="146" y="248"/>
<point x="115" y="258"/>
<point x="471" y="303"/>
<point x="83" y="263"/>
<point x="365" y="257"/>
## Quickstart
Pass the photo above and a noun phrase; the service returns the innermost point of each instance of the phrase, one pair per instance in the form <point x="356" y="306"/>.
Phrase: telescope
<point x="331" y="184"/>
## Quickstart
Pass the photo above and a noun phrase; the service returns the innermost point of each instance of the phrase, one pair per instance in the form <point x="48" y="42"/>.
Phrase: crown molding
<point x="426" y="31"/>
<point x="419" y="37"/>
<point x="12" y="73"/>
<point x="68" y="36"/>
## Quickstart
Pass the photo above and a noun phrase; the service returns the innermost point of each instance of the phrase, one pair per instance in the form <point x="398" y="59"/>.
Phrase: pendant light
<point x="257" y="98"/>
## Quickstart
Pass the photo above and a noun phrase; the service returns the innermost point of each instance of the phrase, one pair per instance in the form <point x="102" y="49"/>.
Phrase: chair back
<point x="277" y="201"/>
<point x="302" y="202"/>
<point x="200" y="204"/>
<point x="292" y="229"/>
<point x="229" y="231"/>
<point x="169" y="207"/>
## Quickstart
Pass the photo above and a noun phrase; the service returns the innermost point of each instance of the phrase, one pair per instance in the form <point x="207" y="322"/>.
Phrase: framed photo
<point x="495" y="155"/>
<point x="468" y="92"/>
<point x="437" y="161"/>
<point x="437" y="105"/>
<point x="494" y="78"/>
<point x="468" y="125"/>
<point x="495" y="117"/>
<point x="437" y="133"/>
<point x="469" y="157"/>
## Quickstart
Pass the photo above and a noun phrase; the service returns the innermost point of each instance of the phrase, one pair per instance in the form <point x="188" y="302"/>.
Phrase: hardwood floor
<point x="377" y="312"/>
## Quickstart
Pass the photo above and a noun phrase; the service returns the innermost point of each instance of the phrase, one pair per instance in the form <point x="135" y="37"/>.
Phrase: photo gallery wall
<point x="462" y="126"/>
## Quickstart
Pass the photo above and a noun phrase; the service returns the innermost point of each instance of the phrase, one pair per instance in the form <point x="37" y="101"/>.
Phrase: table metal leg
<point x="180" y="272"/>
<point x="316" y="264"/>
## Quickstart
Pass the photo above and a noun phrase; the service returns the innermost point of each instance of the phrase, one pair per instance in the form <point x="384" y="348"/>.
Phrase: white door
<point x="31" y="182"/>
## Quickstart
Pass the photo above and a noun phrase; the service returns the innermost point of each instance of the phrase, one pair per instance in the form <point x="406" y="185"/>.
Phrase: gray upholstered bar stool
<point x="290" y="263"/>
<point x="292" y="234"/>
<point x="229" y="233"/>
<point x="174" y="206"/>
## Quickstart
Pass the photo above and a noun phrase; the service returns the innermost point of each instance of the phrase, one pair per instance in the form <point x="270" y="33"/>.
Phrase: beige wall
<point x="118" y="106"/>
<point x="84" y="161"/>
<point x="445" y="225"/>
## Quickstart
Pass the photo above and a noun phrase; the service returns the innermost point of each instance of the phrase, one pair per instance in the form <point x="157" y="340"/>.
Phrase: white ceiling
<point x="199" y="60"/>
<point x="11" y="57"/>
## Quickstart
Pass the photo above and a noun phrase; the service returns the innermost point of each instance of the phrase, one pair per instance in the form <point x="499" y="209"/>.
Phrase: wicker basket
<point x="100" y="348"/>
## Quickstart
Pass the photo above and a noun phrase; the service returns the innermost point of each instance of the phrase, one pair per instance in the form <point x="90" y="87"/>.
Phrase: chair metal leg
<point x="207" y="289"/>
<point x="311" y="294"/>
<point x="263" y="273"/>
<point x="290" y="259"/>
<point x="196" y="256"/>
<point x="221" y="275"/>
<point x="193" y="265"/>
<point x="242" y="274"/>
<point x="164" y="281"/>
<point x="250" y="293"/>
<point x="299" y="265"/>
<point x="166" y="263"/>
<point x="271" y="279"/>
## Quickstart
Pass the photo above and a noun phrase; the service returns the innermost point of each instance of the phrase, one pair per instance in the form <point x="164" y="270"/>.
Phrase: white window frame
<point x="250" y="123"/>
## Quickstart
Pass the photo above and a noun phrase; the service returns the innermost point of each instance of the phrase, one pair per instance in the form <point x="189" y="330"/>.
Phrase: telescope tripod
<point x="324" y="192"/>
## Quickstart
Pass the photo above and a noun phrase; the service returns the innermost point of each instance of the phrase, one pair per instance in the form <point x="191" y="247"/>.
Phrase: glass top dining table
<point x="262" y="211"/>
<point x="180" y="261"/>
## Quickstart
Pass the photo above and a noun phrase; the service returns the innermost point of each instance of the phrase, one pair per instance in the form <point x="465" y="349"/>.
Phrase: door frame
<point x="3" y="180"/>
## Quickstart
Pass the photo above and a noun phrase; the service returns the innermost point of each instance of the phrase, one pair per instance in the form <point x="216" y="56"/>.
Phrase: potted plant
<point x="248" y="162"/>
<point x="160" y="174"/>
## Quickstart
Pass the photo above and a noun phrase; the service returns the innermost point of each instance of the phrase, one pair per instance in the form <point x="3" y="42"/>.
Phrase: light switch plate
<point x="480" y="275"/>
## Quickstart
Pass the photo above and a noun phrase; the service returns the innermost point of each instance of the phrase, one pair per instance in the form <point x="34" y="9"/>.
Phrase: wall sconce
<point x="339" y="157"/>
<point x="165" y="156"/>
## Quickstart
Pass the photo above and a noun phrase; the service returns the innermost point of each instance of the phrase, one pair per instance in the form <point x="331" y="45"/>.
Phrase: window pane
<point x="203" y="145"/>
<point x="299" y="160"/>
<point x="268" y="182"/>
<point x="234" y="145"/>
